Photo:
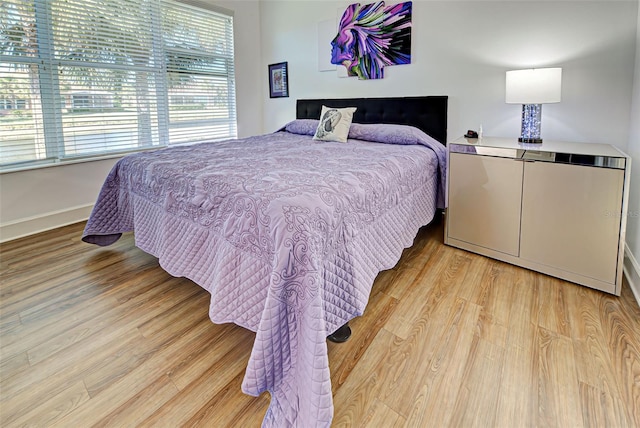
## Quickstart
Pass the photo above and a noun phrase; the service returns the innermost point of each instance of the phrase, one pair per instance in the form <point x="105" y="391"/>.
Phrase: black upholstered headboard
<point x="426" y="113"/>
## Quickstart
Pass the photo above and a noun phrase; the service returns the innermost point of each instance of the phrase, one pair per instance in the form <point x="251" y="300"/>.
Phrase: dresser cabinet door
<point x="485" y="201"/>
<point x="571" y="218"/>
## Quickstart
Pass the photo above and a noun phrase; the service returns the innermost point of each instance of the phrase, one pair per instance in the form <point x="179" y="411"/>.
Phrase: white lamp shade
<point x="534" y="86"/>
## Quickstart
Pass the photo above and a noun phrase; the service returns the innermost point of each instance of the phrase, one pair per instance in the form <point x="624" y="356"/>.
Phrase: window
<point x="83" y="78"/>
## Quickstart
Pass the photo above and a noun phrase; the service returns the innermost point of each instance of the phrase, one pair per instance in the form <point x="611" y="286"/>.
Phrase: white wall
<point x="41" y="199"/>
<point x="463" y="48"/>
<point x="633" y="219"/>
<point x="250" y="78"/>
<point x="460" y="49"/>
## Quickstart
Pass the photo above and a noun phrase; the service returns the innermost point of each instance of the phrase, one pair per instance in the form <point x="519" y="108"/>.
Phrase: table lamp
<point x="532" y="88"/>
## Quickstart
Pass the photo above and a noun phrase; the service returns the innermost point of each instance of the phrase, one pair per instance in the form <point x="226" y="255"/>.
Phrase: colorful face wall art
<point x="371" y="37"/>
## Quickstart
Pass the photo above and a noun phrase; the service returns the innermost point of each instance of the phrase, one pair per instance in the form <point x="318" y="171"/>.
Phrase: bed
<point x="285" y="232"/>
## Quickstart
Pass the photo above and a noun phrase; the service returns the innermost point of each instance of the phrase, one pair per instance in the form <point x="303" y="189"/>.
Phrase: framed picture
<point x="278" y="80"/>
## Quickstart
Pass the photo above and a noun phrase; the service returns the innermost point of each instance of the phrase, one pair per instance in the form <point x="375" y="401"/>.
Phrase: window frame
<point x="52" y="100"/>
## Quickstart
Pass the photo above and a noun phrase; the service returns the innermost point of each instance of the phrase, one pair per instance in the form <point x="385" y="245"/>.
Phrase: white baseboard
<point x="36" y="224"/>
<point x="632" y="272"/>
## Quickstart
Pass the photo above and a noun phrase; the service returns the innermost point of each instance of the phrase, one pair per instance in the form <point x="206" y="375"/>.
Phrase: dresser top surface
<point x="591" y="149"/>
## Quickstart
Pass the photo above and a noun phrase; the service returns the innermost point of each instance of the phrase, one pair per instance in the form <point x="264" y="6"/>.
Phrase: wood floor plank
<point x="88" y="355"/>
<point x="593" y="360"/>
<point x="496" y="304"/>
<point x="195" y="367"/>
<point x="427" y="239"/>
<point x="142" y="376"/>
<point x="82" y="316"/>
<point x="444" y="376"/>
<point x="383" y="416"/>
<point x="51" y="285"/>
<point x="249" y="415"/>
<point x="518" y="400"/>
<point x="398" y="283"/>
<point x="35" y="386"/>
<point x="217" y="413"/>
<point x="141" y="405"/>
<point x="38" y="246"/>
<point x="552" y="307"/>
<point x="45" y="275"/>
<point x="216" y="374"/>
<point x="55" y="408"/>
<point x="432" y="328"/>
<point x="111" y="317"/>
<point x="117" y="365"/>
<point x="517" y="403"/>
<point x="93" y="336"/>
<point x="477" y="400"/>
<point x="600" y="409"/>
<point x="353" y="398"/>
<point x="344" y="356"/>
<point x="428" y="325"/>
<point x="558" y="388"/>
<point x="384" y="282"/>
<point x="15" y="363"/>
<point x="408" y="311"/>
<point x="622" y="333"/>
<point x="474" y="278"/>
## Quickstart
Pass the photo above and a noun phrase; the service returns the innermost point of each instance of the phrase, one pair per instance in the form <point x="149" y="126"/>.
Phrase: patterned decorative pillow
<point x="334" y="124"/>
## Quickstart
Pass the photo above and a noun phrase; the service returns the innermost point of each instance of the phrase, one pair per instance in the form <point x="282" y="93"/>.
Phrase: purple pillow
<point x="389" y="133"/>
<point x="376" y="132"/>
<point x="302" y="126"/>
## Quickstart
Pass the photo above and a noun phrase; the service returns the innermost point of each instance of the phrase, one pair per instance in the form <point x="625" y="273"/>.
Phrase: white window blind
<point x="200" y="74"/>
<point x="82" y="78"/>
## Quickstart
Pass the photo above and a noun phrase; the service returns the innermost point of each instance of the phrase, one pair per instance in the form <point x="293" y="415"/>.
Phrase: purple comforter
<point x="285" y="232"/>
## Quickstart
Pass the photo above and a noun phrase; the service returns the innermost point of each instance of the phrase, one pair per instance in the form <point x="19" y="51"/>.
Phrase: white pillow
<point x="334" y="124"/>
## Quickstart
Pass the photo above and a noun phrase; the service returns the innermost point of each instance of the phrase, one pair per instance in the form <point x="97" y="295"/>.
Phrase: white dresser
<point x="556" y="207"/>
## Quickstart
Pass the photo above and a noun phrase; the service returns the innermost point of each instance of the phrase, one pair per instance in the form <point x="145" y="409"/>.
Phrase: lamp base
<point x="531" y="115"/>
<point x="530" y="140"/>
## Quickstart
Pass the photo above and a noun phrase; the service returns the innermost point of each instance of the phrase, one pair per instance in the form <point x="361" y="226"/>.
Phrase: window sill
<point x="52" y="164"/>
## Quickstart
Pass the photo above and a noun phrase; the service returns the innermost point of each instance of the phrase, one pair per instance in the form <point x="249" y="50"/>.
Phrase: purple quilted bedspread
<point x="285" y="232"/>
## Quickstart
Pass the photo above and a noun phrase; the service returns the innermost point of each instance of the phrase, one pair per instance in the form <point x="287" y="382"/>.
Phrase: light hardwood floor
<point x="104" y="337"/>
